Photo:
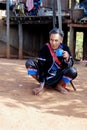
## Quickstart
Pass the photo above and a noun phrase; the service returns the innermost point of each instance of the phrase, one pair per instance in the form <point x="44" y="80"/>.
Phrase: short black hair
<point x="55" y="31"/>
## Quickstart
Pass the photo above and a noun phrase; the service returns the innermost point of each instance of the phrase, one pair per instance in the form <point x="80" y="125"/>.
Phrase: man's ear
<point x="61" y="39"/>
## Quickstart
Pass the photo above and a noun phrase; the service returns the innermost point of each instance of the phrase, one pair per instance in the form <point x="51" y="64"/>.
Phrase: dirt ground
<point x="21" y="110"/>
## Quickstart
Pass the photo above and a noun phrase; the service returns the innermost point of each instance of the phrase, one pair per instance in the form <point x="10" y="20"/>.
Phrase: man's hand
<point x="38" y="90"/>
<point x="66" y="55"/>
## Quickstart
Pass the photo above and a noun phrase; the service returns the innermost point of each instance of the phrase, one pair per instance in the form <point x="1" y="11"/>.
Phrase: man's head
<point x="55" y="37"/>
<point x="55" y="31"/>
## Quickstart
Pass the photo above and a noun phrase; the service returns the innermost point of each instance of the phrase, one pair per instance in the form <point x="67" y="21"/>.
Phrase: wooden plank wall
<point x="34" y="36"/>
<point x="49" y="3"/>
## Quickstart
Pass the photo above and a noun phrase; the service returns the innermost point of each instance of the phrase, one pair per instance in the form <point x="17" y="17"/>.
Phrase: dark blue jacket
<point x="45" y="61"/>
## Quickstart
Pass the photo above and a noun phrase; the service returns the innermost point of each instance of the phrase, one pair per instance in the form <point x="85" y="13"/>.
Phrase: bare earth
<point x="21" y="110"/>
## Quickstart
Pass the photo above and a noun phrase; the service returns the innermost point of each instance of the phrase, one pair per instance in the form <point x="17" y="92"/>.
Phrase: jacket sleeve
<point x="70" y="62"/>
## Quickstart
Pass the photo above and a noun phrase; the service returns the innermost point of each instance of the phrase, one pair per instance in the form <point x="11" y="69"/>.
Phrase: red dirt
<point x="21" y="110"/>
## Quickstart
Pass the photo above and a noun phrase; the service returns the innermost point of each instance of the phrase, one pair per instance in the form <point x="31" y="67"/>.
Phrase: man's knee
<point x="71" y="72"/>
<point x="31" y="63"/>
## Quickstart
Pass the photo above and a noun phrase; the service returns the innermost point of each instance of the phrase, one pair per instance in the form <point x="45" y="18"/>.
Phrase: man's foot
<point x="61" y="89"/>
<point x="37" y="91"/>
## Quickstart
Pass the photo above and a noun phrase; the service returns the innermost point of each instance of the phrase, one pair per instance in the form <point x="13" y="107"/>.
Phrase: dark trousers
<point x="70" y="72"/>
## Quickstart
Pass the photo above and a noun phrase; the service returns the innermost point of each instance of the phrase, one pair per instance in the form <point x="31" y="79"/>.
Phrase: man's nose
<point x="54" y="42"/>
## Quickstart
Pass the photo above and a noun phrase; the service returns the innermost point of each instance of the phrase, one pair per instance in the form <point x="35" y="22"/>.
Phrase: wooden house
<point x="23" y="36"/>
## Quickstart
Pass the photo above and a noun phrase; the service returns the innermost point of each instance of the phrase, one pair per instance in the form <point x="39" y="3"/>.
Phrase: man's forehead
<point x="57" y="35"/>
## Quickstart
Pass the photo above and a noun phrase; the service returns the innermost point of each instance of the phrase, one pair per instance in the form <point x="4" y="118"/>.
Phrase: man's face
<point x="55" y="40"/>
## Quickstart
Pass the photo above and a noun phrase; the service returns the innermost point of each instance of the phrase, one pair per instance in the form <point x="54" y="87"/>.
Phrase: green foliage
<point x="79" y="45"/>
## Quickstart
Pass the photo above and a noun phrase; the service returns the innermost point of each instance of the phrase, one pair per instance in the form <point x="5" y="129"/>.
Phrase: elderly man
<point x="55" y="64"/>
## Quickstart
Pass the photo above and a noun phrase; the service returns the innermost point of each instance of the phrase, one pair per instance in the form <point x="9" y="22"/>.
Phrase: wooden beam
<point x="78" y="25"/>
<point x="20" y="34"/>
<point x="72" y="44"/>
<point x="8" y="30"/>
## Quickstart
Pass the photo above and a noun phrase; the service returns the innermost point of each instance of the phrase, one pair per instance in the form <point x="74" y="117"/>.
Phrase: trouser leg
<point x="70" y="73"/>
<point x="31" y="63"/>
<point x="32" y="68"/>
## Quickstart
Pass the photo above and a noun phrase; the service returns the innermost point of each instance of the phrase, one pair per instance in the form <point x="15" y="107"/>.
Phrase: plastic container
<point x="59" y="52"/>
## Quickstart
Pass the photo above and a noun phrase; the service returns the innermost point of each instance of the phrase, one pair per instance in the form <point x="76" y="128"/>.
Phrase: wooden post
<point x="72" y="41"/>
<point x="8" y="29"/>
<point x="85" y="46"/>
<point x="20" y="34"/>
<point x="54" y="13"/>
<point x="65" y="34"/>
<point x="73" y="2"/>
<point x="59" y="14"/>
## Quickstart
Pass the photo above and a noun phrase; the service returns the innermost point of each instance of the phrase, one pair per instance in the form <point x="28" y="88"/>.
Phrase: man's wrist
<point x="42" y="84"/>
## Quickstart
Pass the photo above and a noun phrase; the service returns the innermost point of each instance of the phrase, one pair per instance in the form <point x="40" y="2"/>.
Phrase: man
<point x="55" y="64"/>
